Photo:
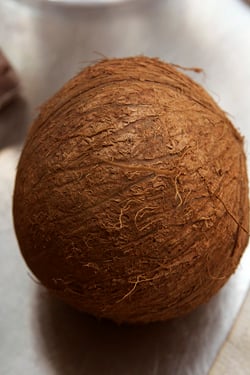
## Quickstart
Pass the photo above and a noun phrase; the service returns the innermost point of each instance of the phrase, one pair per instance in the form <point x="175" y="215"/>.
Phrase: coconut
<point x="131" y="194"/>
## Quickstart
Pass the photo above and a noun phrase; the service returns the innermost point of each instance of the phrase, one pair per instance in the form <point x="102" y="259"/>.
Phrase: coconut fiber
<point x="131" y="195"/>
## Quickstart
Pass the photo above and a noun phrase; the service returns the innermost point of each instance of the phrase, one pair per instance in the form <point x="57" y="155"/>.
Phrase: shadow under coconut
<point x="14" y="121"/>
<point x="75" y="343"/>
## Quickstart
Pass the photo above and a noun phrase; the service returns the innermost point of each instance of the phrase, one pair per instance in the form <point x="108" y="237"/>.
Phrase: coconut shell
<point x="131" y="195"/>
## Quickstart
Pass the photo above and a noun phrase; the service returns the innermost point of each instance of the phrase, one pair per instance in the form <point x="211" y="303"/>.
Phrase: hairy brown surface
<point x="131" y="196"/>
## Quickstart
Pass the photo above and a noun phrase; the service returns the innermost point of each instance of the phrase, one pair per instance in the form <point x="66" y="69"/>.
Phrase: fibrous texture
<point x="131" y="196"/>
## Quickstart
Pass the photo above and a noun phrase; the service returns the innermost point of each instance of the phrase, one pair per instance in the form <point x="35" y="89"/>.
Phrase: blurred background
<point x="47" y="42"/>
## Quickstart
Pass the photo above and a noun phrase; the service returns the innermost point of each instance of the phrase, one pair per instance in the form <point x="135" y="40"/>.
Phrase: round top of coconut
<point x="131" y="195"/>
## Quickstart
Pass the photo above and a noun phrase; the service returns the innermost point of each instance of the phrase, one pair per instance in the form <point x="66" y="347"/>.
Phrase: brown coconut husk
<point x="131" y="196"/>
